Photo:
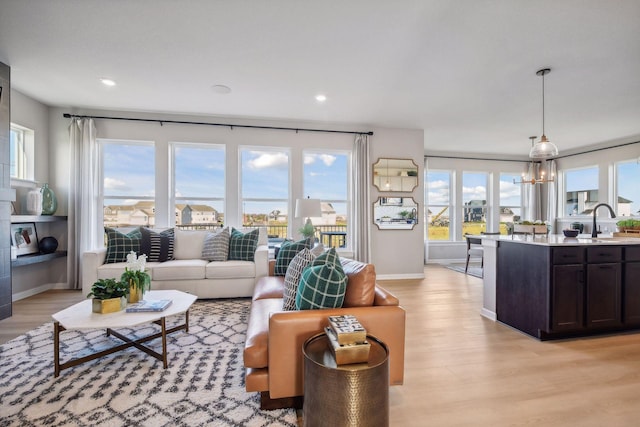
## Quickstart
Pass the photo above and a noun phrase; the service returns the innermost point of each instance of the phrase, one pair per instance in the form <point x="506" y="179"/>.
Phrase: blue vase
<point x="49" y="201"/>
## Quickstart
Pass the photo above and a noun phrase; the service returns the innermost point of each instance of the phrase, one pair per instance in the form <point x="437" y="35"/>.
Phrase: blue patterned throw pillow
<point x="242" y="247"/>
<point x="288" y="250"/>
<point x="323" y="284"/>
<point x="119" y="245"/>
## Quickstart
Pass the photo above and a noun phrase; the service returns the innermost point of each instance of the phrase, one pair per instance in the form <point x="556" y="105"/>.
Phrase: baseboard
<point x="489" y="314"/>
<point x="446" y="261"/>
<point x="34" y="291"/>
<point x="399" y="276"/>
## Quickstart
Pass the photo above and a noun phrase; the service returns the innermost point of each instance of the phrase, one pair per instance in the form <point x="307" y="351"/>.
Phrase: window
<point x="627" y="190"/>
<point x="326" y="177"/>
<point x="581" y="190"/>
<point x="21" y="146"/>
<point x="510" y="200"/>
<point x="474" y="199"/>
<point x="128" y="183"/>
<point x="265" y="189"/>
<point x="198" y="185"/>
<point x="438" y="205"/>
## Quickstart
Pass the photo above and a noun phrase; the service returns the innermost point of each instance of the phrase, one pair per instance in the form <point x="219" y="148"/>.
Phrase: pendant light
<point x="543" y="149"/>
<point x="541" y="179"/>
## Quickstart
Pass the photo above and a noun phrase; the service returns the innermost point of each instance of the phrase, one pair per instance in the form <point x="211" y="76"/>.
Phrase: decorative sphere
<point x="48" y="245"/>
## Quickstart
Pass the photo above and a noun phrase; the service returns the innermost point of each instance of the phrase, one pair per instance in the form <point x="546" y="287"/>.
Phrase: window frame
<point x="25" y="169"/>
<point x="520" y="207"/>
<point x="101" y="192"/>
<point x="347" y="202"/>
<point x="452" y="174"/>
<point x="242" y="199"/>
<point x="173" y="199"/>
<point x="616" y="187"/>
<point x="563" y="201"/>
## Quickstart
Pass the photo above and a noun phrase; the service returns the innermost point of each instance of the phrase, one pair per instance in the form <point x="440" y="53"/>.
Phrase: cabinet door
<point x="603" y="295"/>
<point x="567" y="298"/>
<point x="632" y="293"/>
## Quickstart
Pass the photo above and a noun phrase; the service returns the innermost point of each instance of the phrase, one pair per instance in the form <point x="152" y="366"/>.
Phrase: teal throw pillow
<point x="323" y="284"/>
<point x="288" y="250"/>
<point x="119" y="245"/>
<point x="242" y="247"/>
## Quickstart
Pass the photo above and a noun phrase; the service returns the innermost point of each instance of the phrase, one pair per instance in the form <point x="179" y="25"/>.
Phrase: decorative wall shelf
<point x="38" y="218"/>
<point x="37" y="258"/>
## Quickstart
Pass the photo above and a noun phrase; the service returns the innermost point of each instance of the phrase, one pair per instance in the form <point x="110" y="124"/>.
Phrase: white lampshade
<point x="306" y="208"/>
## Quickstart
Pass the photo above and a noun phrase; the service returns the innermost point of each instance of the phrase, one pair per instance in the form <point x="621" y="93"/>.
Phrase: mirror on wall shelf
<point x="395" y="213"/>
<point x="398" y="175"/>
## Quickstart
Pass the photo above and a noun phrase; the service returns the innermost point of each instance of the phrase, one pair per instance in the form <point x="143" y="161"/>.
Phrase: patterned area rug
<point x="203" y="385"/>
<point x="473" y="270"/>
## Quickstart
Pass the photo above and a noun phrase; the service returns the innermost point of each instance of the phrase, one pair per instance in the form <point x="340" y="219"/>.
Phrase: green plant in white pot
<point x="109" y="295"/>
<point x="307" y="230"/>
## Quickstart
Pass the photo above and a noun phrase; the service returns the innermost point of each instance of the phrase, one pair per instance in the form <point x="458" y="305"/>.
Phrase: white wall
<point x="389" y="260"/>
<point x="35" y="278"/>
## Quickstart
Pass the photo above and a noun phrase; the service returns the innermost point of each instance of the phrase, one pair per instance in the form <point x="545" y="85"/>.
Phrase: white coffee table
<point x="80" y="316"/>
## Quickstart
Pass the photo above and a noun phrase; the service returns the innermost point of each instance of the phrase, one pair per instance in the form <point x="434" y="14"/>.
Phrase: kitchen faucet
<point x="594" y="231"/>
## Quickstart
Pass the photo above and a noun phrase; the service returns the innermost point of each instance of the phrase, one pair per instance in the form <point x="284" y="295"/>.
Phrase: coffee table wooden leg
<point x="56" y="349"/>
<point x="186" y="321"/>
<point x="164" y="341"/>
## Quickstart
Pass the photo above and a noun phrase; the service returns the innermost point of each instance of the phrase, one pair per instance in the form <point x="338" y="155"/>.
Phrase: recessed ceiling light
<point x="221" y="89"/>
<point x="321" y="98"/>
<point x="107" y="82"/>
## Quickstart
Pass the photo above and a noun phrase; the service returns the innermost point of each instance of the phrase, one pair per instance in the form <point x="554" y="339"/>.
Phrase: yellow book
<point x="350" y="353"/>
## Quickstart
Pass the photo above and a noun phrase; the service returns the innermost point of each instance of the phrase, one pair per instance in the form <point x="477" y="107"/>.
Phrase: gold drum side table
<point x="345" y="395"/>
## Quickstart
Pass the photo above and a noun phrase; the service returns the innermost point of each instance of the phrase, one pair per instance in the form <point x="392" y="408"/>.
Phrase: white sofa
<point x="188" y="273"/>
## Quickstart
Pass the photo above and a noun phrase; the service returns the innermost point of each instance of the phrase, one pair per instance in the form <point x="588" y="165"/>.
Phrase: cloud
<point x="268" y="160"/>
<point x="509" y="189"/>
<point x="317" y="174"/>
<point x="115" y="184"/>
<point x="327" y="159"/>
<point x="479" y="192"/>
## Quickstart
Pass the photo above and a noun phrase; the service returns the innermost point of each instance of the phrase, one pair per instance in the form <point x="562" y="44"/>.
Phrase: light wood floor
<point x="464" y="370"/>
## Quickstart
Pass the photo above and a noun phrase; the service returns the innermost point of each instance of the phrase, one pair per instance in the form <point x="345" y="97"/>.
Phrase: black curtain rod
<point x="426" y="156"/>
<point x="597" y="149"/>
<point x="230" y="126"/>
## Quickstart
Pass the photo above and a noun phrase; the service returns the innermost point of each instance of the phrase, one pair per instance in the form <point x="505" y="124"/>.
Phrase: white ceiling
<point x="462" y="70"/>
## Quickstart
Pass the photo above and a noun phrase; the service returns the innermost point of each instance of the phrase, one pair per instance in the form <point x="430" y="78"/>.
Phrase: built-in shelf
<point x="36" y="258"/>
<point x="38" y="218"/>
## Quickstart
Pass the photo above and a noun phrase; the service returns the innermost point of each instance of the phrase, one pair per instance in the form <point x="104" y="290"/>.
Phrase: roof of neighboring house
<point x="202" y="208"/>
<point x="623" y="200"/>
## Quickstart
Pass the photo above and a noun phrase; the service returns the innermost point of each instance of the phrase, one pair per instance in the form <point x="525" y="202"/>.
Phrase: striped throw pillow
<point x="216" y="246"/>
<point x="158" y="247"/>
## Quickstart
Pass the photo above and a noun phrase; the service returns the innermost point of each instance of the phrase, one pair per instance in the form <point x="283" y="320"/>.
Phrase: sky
<point x="474" y="187"/>
<point x="200" y="174"/>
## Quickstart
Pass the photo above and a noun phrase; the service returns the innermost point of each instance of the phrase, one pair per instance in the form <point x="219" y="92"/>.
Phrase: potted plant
<point x="307" y="230"/>
<point x="627" y="225"/>
<point x="136" y="277"/>
<point x="109" y="296"/>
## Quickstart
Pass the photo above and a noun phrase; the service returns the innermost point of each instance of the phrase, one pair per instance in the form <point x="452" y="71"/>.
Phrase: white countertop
<point x="560" y="240"/>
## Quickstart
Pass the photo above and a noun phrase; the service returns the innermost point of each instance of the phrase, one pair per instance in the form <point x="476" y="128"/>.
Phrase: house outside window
<point x="438" y="187"/>
<point x="128" y="183"/>
<point x="326" y="177"/>
<point x="198" y="185"/>
<point x="265" y="189"/>
<point x="510" y="200"/>
<point x="581" y="190"/>
<point x="627" y="189"/>
<point x="474" y="199"/>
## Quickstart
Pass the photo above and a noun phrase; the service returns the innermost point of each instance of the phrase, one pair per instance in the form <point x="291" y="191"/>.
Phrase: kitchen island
<point x="555" y="287"/>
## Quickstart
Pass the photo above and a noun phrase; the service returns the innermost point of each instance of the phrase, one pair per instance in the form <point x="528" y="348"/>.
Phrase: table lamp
<point x="307" y="208"/>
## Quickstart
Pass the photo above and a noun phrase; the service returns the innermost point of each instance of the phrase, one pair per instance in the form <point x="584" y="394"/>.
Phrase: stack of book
<point x="348" y="340"/>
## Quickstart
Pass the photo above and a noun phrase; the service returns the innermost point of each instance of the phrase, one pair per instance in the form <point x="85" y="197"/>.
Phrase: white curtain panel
<point x="552" y="192"/>
<point x="361" y="201"/>
<point x="84" y="213"/>
<point x="531" y="195"/>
